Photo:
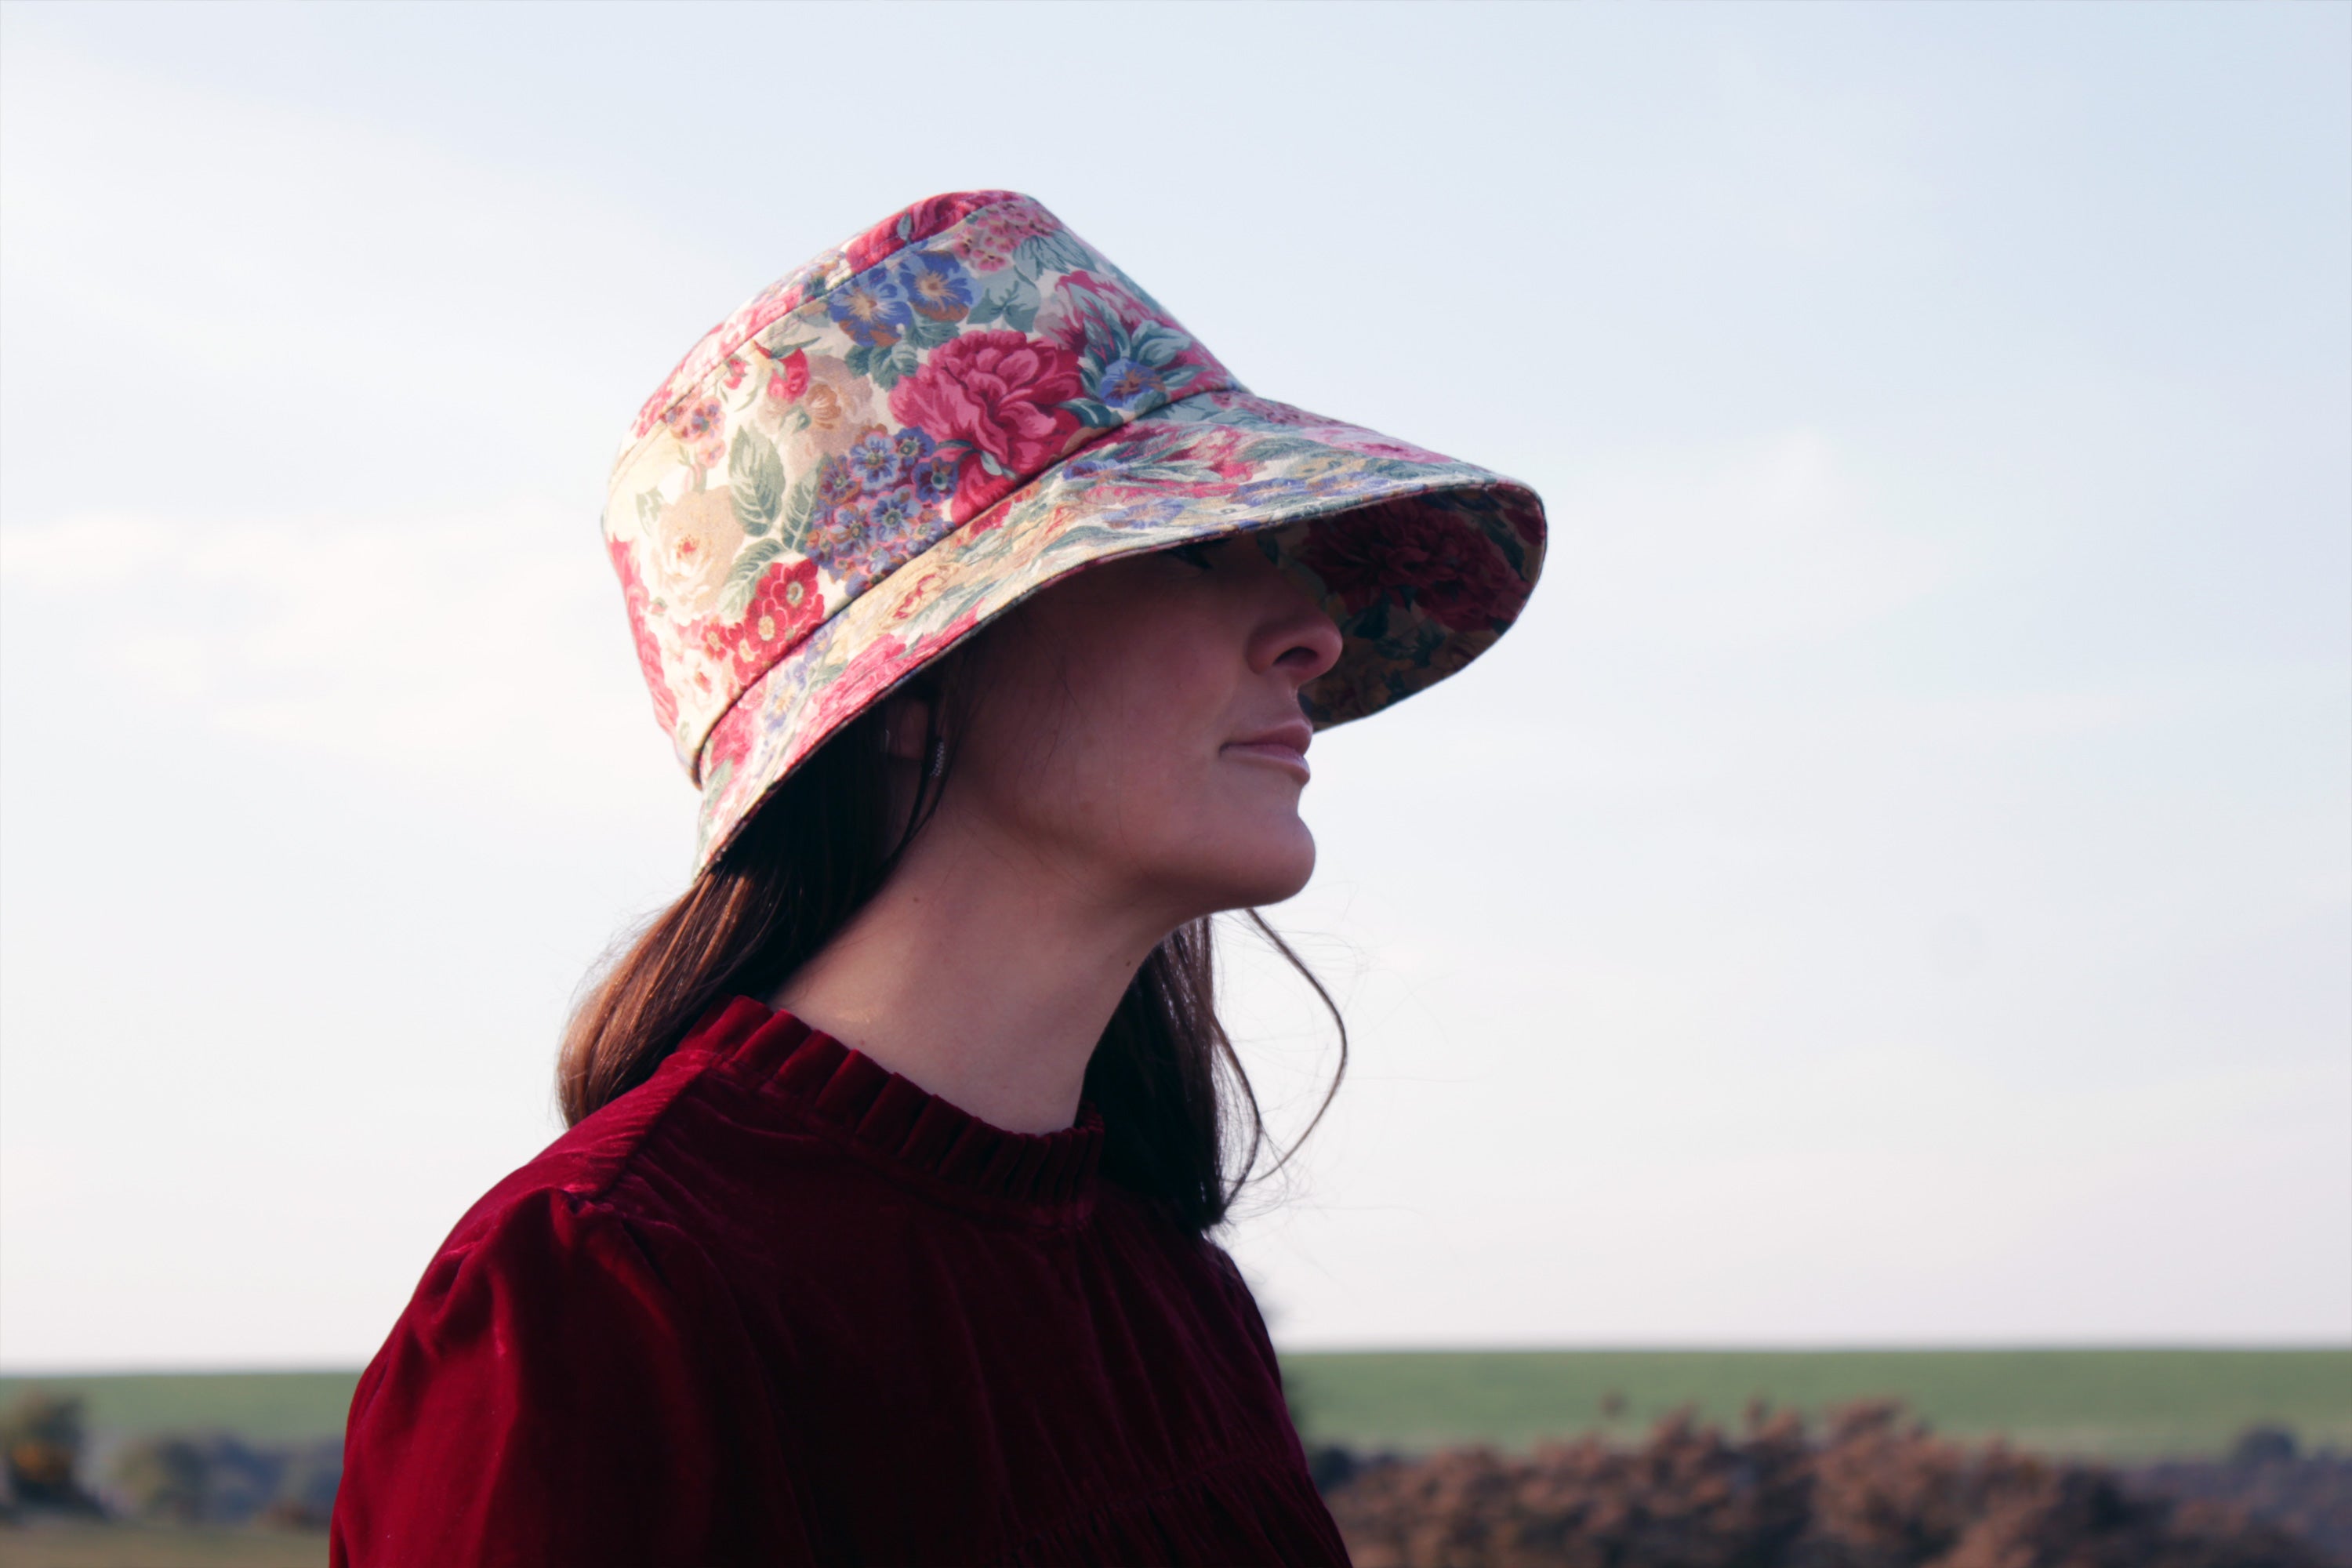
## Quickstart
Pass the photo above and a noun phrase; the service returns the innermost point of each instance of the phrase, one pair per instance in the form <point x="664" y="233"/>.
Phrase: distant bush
<point x="41" y="1439"/>
<point x="216" y="1478"/>
<point x="1873" y="1491"/>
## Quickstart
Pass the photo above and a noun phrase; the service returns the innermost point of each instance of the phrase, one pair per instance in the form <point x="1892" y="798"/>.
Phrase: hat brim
<point x="1422" y="561"/>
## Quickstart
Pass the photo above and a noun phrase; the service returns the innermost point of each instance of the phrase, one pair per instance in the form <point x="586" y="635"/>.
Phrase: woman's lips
<point x="1285" y="745"/>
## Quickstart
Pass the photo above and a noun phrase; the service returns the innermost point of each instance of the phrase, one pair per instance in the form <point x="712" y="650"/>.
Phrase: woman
<point x="993" y="619"/>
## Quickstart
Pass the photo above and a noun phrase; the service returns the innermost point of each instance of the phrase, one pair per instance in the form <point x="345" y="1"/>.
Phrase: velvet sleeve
<point x="567" y="1388"/>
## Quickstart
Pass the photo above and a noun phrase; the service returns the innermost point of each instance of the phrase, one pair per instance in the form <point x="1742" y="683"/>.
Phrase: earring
<point x="938" y="759"/>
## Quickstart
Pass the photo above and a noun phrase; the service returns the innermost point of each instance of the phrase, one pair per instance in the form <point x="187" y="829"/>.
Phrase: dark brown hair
<point x="1182" y="1124"/>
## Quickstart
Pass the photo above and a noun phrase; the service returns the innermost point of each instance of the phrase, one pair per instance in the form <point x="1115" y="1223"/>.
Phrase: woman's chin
<point x="1275" y="866"/>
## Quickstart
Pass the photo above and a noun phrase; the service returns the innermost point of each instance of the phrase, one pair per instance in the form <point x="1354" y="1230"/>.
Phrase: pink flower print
<point x="650" y="651"/>
<point x="786" y="605"/>
<point x="988" y="241"/>
<point x="788" y="377"/>
<point x="700" y="424"/>
<point x="729" y="744"/>
<point x="839" y="403"/>
<point x="1078" y="296"/>
<point x="1417" y="552"/>
<point x="1218" y="448"/>
<point x="914" y="224"/>
<point x="694" y="544"/>
<point x="1001" y="394"/>
<point x="875" y="671"/>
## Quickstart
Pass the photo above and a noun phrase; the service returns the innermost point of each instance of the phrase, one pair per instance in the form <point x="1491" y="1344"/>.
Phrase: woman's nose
<point x="1298" y="636"/>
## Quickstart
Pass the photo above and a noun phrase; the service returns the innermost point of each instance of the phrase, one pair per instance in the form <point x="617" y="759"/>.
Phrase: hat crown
<point x="856" y="411"/>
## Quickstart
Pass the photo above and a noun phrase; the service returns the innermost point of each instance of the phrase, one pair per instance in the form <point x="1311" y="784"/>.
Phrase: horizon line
<point x="2023" y="1347"/>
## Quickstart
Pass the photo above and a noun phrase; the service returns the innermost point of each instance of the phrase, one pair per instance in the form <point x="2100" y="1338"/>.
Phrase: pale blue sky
<point x="1895" y="886"/>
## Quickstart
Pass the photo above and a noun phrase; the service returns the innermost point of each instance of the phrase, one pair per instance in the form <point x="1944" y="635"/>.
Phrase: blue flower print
<point x="1258" y="491"/>
<point x="871" y="308"/>
<point x="912" y="446"/>
<point x="1151" y="512"/>
<point x="837" y="483"/>
<point x="872" y="553"/>
<point x="834" y="535"/>
<point x="874" y="462"/>
<point x="1105" y="460"/>
<point x="936" y="480"/>
<point x="1127" y="384"/>
<point x="936" y="285"/>
<point x="1319" y="471"/>
<point x="893" y="517"/>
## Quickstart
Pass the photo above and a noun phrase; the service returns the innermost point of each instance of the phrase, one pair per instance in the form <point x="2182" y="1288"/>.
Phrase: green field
<point x="2127" y="1403"/>
<point x="2121" y="1404"/>
<point x="261" y="1406"/>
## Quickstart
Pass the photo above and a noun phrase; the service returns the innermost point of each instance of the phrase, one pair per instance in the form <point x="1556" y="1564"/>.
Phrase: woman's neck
<point x="984" y="977"/>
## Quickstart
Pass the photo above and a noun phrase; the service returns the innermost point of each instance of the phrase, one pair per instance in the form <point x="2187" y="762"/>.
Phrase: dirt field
<point x="68" y="1545"/>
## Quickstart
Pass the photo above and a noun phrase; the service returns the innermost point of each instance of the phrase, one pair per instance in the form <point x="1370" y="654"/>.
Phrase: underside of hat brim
<point x="1424" y="562"/>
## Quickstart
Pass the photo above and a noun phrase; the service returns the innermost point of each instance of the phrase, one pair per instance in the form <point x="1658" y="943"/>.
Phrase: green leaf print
<point x="1142" y="296"/>
<point x="743" y="577"/>
<point x="1396" y="468"/>
<point x="1010" y="298"/>
<point x="925" y="333"/>
<point x="755" y="479"/>
<point x="781" y="342"/>
<point x="797" y="508"/>
<point x="1278" y="447"/>
<point x="1054" y="252"/>
<point x="887" y="367"/>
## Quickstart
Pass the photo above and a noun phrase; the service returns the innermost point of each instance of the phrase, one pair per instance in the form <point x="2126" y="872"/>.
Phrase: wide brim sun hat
<point x="898" y="442"/>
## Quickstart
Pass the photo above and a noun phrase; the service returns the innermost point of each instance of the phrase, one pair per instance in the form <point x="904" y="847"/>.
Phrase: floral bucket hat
<point x="883" y="451"/>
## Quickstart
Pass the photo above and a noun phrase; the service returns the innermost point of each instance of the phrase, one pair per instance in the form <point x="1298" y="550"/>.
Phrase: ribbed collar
<point x="893" y="1118"/>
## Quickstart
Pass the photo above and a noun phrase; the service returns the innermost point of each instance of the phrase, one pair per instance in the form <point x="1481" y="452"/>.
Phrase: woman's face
<point x="1136" y="729"/>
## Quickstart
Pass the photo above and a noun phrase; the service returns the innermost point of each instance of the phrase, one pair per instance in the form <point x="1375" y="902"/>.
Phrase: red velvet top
<point x="780" y="1306"/>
